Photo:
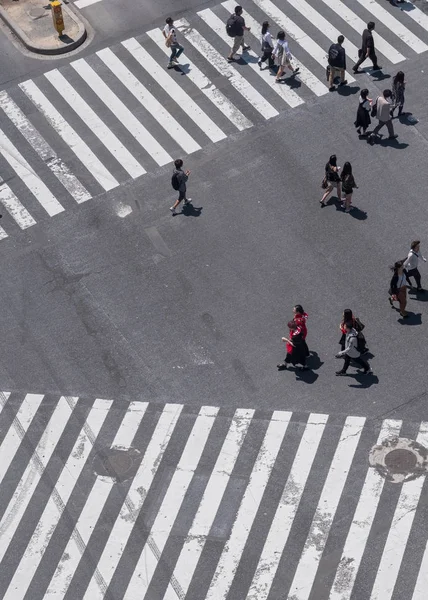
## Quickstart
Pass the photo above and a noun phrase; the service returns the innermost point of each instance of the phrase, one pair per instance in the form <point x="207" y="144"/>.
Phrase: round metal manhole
<point x="399" y="459"/>
<point x="116" y="463"/>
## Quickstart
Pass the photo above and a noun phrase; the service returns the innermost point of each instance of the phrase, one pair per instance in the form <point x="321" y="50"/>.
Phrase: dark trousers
<point x="267" y="56"/>
<point x="414" y="273"/>
<point x="381" y="124"/>
<point x="364" y="57"/>
<point x="359" y="361"/>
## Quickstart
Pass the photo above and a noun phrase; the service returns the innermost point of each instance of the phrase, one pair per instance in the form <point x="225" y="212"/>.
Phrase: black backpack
<point x="333" y="53"/>
<point x="175" y="181"/>
<point x="231" y="26"/>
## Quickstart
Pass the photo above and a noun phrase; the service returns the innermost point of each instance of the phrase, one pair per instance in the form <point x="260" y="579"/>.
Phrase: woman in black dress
<point x="363" y="113"/>
<point x="331" y="178"/>
<point x="348" y="185"/>
<point x="297" y="348"/>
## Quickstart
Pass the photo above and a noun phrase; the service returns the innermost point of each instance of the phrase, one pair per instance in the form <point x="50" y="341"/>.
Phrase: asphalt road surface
<point x="128" y="327"/>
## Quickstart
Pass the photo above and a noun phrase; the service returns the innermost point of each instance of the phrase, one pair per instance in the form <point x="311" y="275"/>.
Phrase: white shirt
<point x="167" y="30"/>
<point x="365" y="104"/>
<point x="281" y="46"/>
<point x="412" y="260"/>
<point x="268" y="39"/>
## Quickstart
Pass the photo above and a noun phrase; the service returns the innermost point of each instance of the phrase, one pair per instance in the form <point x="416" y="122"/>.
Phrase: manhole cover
<point x="116" y="463"/>
<point x="399" y="459"/>
<point x="37" y="13"/>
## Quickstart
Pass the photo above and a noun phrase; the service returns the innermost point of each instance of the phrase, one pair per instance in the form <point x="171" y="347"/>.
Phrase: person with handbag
<point x="282" y="54"/>
<point x="363" y="113"/>
<point x="350" y="352"/>
<point x="170" y="35"/>
<point x="297" y="349"/>
<point x="331" y="179"/>
<point x="398" y="288"/>
<point x="348" y="317"/>
<point x="348" y="185"/>
<point x="267" y="47"/>
<point x="382" y="110"/>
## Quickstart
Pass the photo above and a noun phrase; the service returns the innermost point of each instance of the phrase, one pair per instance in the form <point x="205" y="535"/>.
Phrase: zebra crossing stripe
<point x="70" y="137"/>
<point x="33" y="473"/>
<point x="57" y="502"/>
<point x="394" y="25"/>
<point x="324" y="26"/>
<point x="148" y="101"/>
<point x="122" y="112"/>
<point x="399" y="532"/>
<point x="175" y="91"/>
<point x="210" y="503"/>
<point x="293" y="31"/>
<point x="161" y="528"/>
<point x="224" y="68"/>
<point x="195" y="75"/>
<point x="416" y="14"/>
<point x="305" y="76"/>
<point x="95" y="124"/>
<point x="359" y="25"/>
<point x="250" y="58"/>
<point x="46" y="153"/>
<point x="359" y="530"/>
<point x="287" y="508"/>
<point x="94" y="504"/>
<point x="141" y="484"/>
<point x="33" y="182"/>
<point x="324" y="515"/>
<point x="420" y="591"/>
<point x="232" y="551"/>
<point x="14" y="207"/>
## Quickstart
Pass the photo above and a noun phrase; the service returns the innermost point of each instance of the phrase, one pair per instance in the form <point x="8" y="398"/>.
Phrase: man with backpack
<point x="235" y="28"/>
<point x="351" y="352"/>
<point x="178" y="182"/>
<point x="337" y="63"/>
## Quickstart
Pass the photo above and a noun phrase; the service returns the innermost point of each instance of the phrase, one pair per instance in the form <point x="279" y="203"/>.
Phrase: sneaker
<point x="359" y="130"/>
<point x="172" y="209"/>
<point x="245" y="48"/>
<point x="341" y="372"/>
<point x="170" y="65"/>
<point x="175" y="60"/>
<point x="393" y="137"/>
<point x="332" y="88"/>
<point x="344" y="82"/>
<point x="296" y="70"/>
<point x="356" y="70"/>
<point x="259" y="62"/>
<point x="368" y="372"/>
<point x="231" y="58"/>
<point x="377" y="68"/>
<point x="187" y="201"/>
<point x="420" y="289"/>
<point x="281" y="366"/>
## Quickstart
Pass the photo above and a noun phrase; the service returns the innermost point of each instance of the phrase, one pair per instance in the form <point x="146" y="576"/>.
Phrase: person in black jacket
<point x="337" y="62"/>
<point x="398" y="288"/>
<point x="367" y="49"/>
<point x="332" y="179"/>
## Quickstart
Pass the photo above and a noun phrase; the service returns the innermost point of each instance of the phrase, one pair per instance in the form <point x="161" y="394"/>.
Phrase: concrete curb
<point x="81" y="36"/>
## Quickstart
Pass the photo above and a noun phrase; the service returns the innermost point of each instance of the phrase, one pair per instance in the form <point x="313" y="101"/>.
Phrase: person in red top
<point x="297" y="349"/>
<point x="300" y="318"/>
<point x="348" y="317"/>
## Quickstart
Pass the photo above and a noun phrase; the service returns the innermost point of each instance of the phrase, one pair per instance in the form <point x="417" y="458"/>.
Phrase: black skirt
<point x="363" y="117"/>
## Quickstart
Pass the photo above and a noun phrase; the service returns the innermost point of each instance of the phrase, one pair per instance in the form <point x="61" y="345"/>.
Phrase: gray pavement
<point x="117" y="299"/>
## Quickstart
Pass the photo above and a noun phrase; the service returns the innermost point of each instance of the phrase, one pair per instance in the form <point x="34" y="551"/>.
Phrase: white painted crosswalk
<point x="90" y="126"/>
<point x="216" y="504"/>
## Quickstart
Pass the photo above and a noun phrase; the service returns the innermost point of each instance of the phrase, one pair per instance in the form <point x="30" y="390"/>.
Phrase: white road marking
<point x="359" y="25"/>
<point x="95" y="124"/>
<point x="124" y="524"/>
<point x="420" y="591"/>
<point x="122" y="112"/>
<point x="206" y="86"/>
<point x="93" y="507"/>
<point x="359" y="530"/>
<point x="57" y="502"/>
<point x="305" y="76"/>
<point x="399" y="531"/>
<point x="211" y="500"/>
<point x="70" y="137"/>
<point x="306" y="571"/>
<point x="287" y="508"/>
<point x="232" y="551"/>
<point x="285" y="93"/>
<point x="227" y="70"/>
<point x="46" y="152"/>
<point x="416" y="14"/>
<point x="148" y="101"/>
<point x="394" y="25"/>
<point x="297" y="34"/>
<point x="33" y="182"/>
<point x="174" y="90"/>
<point x="85" y="3"/>
<point x="14" y="207"/>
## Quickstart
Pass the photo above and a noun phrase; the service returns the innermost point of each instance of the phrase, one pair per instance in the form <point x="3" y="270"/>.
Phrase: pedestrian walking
<point x="363" y="112"/>
<point x="411" y="264"/>
<point x="283" y="57"/>
<point x="337" y="63"/>
<point x="398" y="87"/>
<point x="348" y="185"/>
<point x="350" y="352"/>
<point x="300" y="317"/>
<point x="382" y="110"/>
<point x="297" y="349"/>
<point x="170" y="35"/>
<point x="331" y="179"/>
<point x="398" y="288"/>
<point x="367" y="49"/>
<point x="235" y="27"/>
<point x="267" y="47"/>
<point x="179" y="183"/>
<point x="348" y="317"/>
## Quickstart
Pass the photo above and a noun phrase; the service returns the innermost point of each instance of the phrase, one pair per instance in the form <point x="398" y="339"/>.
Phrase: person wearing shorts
<point x="333" y="179"/>
<point x="182" y="177"/>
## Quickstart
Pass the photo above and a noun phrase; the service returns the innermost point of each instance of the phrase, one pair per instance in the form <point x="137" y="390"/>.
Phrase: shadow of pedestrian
<point x="363" y="381"/>
<point x="313" y="361"/>
<point x="379" y="76"/>
<point x="191" y="211"/>
<point x="306" y="376"/>
<point x="347" y="90"/>
<point x="291" y="81"/>
<point x="411" y="319"/>
<point x="407" y="118"/>
<point x="386" y="142"/>
<point x="418" y="296"/>
<point x="358" y="214"/>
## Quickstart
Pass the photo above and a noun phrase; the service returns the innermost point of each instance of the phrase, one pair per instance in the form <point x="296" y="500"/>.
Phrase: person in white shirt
<point x="351" y="352"/>
<point x="283" y="55"/>
<point x="267" y="47"/>
<point x="170" y="35"/>
<point x="411" y="264"/>
<point x="398" y="288"/>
